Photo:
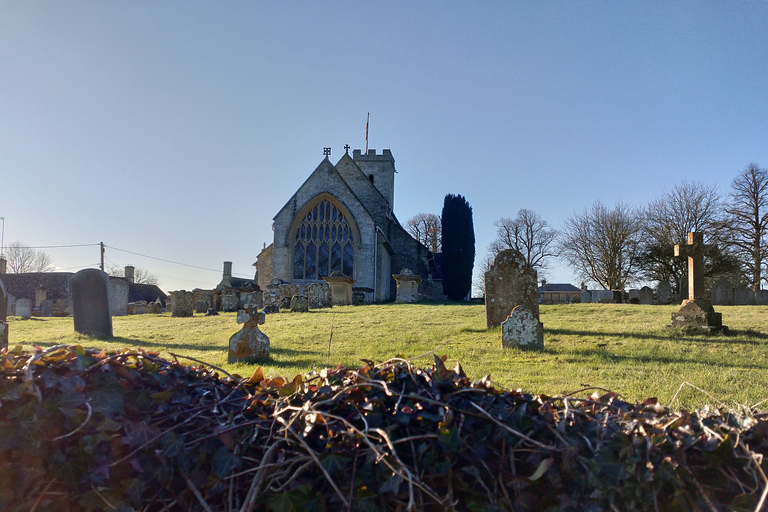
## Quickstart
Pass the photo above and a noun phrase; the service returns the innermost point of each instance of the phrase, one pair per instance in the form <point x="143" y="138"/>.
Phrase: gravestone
<point x="664" y="293"/>
<point x="205" y="296"/>
<point x="722" y="293"/>
<point x="119" y="289"/>
<point x="634" y="296"/>
<point x="230" y="300"/>
<point x="522" y="329"/>
<point x="10" y="309"/>
<point x="202" y="306"/>
<point x="341" y="288"/>
<point x="646" y="295"/>
<point x="140" y="307"/>
<point x="3" y="317"/>
<point x="319" y="295"/>
<point x="299" y="304"/>
<point x="695" y="312"/>
<point x="509" y="283"/>
<point x="40" y="295"/>
<point x="154" y="308"/>
<point x="182" y="303"/>
<point x="586" y="296"/>
<point x="743" y="296"/>
<point x="46" y="308"/>
<point x="407" y="286"/>
<point x="254" y="298"/>
<point x="211" y="312"/>
<point x="24" y="308"/>
<point x="249" y="344"/>
<point x="358" y="298"/>
<point x="90" y="303"/>
<point x="763" y="296"/>
<point x="271" y="301"/>
<point x="287" y="292"/>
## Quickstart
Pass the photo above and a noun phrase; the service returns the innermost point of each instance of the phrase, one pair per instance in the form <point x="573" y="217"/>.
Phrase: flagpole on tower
<point x="366" y="132"/>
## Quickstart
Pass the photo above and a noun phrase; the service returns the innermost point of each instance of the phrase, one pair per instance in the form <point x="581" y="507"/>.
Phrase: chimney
<point x="129" y="273"/>
<point x="3" y="265"/>
<point x="227" y="269"/>
<point x="543" y="283"/>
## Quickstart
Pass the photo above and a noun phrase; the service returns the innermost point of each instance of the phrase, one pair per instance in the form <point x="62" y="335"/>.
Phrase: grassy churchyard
<point x="624" y="348"/>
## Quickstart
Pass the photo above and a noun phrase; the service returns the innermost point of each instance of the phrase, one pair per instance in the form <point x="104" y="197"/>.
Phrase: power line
<point x="161" y="259"/>
<point x="57" y="246"/>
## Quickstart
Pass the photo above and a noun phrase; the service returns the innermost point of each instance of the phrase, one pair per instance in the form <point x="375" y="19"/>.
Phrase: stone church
<point x="341" y="220"/>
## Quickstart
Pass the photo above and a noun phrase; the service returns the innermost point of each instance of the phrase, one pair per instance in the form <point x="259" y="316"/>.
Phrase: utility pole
<point x="101" y="244"/>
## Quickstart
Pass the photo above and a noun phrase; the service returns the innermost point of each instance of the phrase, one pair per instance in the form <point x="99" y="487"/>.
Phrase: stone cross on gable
<point x="694" y="251"/>
<point x="346" y="148"/>
<point x="327" y="151"/>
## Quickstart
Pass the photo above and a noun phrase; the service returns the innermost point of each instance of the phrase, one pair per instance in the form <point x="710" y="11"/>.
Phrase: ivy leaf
<point x="224" y="461"/>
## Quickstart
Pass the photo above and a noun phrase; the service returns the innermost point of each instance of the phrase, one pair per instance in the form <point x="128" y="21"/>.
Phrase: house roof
<point x="559" y="287"/>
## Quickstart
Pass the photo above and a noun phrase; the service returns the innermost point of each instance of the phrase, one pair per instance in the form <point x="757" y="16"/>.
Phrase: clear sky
<point x="177" y="130"/>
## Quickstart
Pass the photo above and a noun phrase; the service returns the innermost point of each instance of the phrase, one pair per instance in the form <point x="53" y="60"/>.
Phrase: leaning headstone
<point x="119" y="289"/>
<point x="202" y="306"/>
<point x="182" y="303"/>
<point x="646" y="295"/>
<point x="299" y="304"/>
<point x="634" y="296"/>
<point x="407" y="286"/>
<point x="522" y="329"/>
<point x="743" y="296"/>
<point x="230" y="300"/>
<point x="249" y="344"/>
<point x="319" y="295"/>
<point x="46" y="308"/>
<point x="90" y="303"/>
<point x="24" y="308"/>
<point x="664" y="293"/>
<point x="341" y="288"/>
<point x="722" y="293"/>
<point x="287" y="292"/>
<point x="696" y="311"/>
<point x="509" y="283"/>
<point x="271" y="301"/>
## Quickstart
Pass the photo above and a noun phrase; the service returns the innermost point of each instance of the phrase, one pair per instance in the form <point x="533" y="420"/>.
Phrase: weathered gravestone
<point x="230" y="300"/>
<point x="522" y="329"/>
<point x="763" y="296"/>
<point x="90" y="303"/>
<point x="722" y="293"/>
<point x="358" y="298"/>
<point x="299" y="304"/>
<point x="586" y="296"/>
<point x="319" y="295"/>
<point x="254" y="298"/>
<point x="24" y="308"/>
<point x="10" y="309"/>
<point x="509" y="283"/>
<point x="154" y="307"/>
<point x="46" y="308"/>
<point x="119" y="289"/>
<point x="341" y="288"/>
<point x="202" y="306"/>
<point x="634" y="296"/>
<point x="249" y="344"/>
<point x="695" y="312"/>
<point x="211" y="312"/>
<point x="407" y="286"/>
<point x="182" y="303"/>
<point x="603" y="296"/>
<point x="287" y="292"/>
<point x="646" y="295"/>
<point x="271" y="301"/>
<point x="664" y="293"/>
<point x="3" y="316"/>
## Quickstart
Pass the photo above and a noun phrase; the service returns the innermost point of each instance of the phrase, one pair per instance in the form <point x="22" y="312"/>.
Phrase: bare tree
<point x="478" y="286"/>
<point x="602" y="245"/>
<point x="22" y="259"/>
<point x="689" y="206"/>
<point x="427" y="229"/>
<point x="529" y="234"/>
<point x="747" y="221"/>
<point x="140" y="275"/>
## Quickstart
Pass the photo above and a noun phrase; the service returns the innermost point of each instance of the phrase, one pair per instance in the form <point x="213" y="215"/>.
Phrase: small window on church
<point x="370" y="177"/>
<point x="323" y="244"/>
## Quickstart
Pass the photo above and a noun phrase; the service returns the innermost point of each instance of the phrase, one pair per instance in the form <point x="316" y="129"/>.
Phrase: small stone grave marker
<point x="522" y="329"/>
<point x="249" y="344"/>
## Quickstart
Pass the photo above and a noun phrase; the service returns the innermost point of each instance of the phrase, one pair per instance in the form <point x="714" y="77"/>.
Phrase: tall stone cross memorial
<point x="696" y="311"/>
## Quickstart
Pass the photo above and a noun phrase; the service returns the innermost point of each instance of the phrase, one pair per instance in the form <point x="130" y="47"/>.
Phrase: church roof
<point x="559" y="287"/>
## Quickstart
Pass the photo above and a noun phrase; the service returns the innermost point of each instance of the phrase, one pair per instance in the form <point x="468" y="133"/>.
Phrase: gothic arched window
<point x="323" y="243"/>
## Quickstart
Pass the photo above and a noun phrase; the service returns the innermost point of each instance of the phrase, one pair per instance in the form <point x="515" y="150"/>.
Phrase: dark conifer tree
<point x="458" y="241"/>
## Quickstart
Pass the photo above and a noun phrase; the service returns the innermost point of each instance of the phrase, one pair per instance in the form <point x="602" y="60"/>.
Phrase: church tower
<point x="380" y="169"/>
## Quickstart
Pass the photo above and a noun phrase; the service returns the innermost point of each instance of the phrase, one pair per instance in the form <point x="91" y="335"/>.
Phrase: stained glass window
<point x="324" y="243"/>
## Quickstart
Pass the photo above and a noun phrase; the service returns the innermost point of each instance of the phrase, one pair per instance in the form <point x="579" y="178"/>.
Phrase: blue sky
<point x="177" y="130"/>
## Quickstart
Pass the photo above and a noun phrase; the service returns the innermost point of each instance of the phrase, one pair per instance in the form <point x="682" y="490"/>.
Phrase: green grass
<point x="625" y="348"/>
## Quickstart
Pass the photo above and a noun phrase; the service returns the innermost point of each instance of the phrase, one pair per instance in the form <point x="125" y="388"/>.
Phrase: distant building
<point x="558" y="293"/>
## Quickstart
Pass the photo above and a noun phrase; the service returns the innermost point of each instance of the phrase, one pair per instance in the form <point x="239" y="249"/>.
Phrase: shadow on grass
<point x="584" y="356"/>
<point x="735" y="337"/>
